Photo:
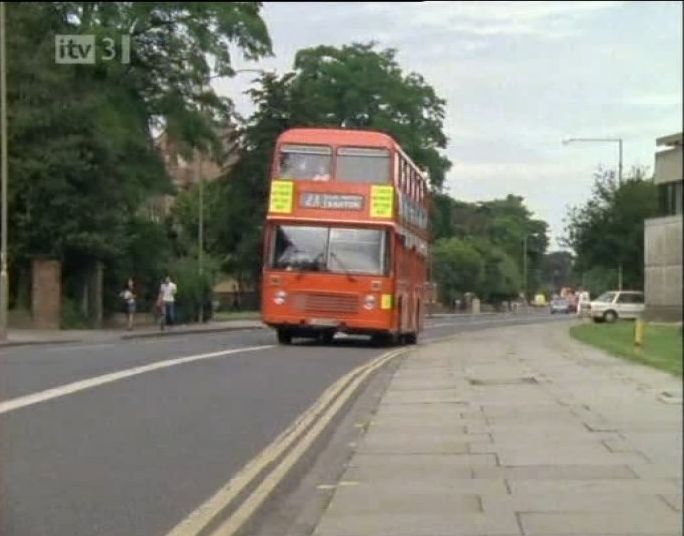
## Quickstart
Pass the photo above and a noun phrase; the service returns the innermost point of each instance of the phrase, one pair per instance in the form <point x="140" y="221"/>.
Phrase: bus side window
<point x="411" y="185"/>
<point x="388" y="252"/>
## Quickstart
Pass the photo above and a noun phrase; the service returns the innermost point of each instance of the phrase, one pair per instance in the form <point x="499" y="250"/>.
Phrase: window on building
<point x="670" y="198"/>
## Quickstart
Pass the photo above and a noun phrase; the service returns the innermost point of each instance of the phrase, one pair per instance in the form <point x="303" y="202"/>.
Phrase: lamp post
<point x="525" y="237"/>
<point x="4" y="295"/>
<point x="568" y="141"/>
<point x="525" y="268"/>
<point x="200" y="232"/>
<point x="605" y="140"/>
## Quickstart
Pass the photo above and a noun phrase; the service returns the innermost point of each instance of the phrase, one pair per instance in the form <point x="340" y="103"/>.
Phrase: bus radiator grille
<point x="328" y="303"/>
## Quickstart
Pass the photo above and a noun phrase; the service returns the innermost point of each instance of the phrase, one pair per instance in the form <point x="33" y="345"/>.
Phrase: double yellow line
<point x="286" y="450"/>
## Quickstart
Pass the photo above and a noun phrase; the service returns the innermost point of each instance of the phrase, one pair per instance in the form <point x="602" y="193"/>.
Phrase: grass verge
<point x="662" y="345"/>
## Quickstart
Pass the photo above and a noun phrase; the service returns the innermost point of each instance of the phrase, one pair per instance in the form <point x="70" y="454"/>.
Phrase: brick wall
<point x="46" y="294"/>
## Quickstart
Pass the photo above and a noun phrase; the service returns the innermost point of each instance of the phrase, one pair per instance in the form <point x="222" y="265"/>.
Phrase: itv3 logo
<point x="88" y="49"/>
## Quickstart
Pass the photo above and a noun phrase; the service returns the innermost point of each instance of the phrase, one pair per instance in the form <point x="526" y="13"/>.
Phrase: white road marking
<point x="81" y="385"/>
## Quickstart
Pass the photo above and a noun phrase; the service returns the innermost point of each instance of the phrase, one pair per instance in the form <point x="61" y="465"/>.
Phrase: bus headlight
<point x="279" y="297"/>
<point x="369" y="302"/>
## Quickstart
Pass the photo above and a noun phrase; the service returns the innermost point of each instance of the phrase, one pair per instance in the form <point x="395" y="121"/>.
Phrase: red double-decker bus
<point x="346" y="238"/>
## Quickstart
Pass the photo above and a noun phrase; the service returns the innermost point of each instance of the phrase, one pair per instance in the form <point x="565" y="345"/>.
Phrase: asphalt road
<point x="137" y="454"/>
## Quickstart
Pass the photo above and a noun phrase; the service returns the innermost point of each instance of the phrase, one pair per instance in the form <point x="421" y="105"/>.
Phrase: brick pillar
<point x="46" y="294"/>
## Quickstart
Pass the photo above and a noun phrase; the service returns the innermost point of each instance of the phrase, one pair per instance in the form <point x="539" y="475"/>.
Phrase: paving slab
<point x="590" y="523"/>
<point x="516" y="431"/>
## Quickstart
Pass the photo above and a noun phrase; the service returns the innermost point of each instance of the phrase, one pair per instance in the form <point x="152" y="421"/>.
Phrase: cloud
<point x="551" y="20"/>
<point x="518" y="77"/>
<point x="666" y="100"/>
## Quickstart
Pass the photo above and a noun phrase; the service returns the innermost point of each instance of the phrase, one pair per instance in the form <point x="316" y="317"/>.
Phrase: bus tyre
<point x="383" y="339"/>
<point x="411" y="338"/>
<point x="284" y="336"/>
<point x="326" y="337"/>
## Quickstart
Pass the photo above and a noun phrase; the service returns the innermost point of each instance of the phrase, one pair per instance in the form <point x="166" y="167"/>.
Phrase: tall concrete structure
<point x="663" y="236"/>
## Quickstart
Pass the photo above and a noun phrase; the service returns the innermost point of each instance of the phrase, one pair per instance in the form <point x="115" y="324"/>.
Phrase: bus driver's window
<point x="305" y="162"/>
<point x="321" y="174"/>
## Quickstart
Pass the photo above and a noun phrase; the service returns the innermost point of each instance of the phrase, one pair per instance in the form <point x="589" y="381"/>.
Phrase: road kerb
<point x="172" y="332"/>
<point x="332" y="398"/>
<point x="250" y="505"/>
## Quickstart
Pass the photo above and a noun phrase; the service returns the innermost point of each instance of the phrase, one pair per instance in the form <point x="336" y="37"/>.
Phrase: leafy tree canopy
<point x="608" y="230"/>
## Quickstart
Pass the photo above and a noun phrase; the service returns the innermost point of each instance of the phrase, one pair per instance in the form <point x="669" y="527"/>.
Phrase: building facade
<point x="184" y="173"/>
<point x="663" y="236"/>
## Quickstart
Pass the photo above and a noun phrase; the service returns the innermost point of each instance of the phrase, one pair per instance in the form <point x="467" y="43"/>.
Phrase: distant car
<point x="610" y="306"/>
<point x="560" y="306"/>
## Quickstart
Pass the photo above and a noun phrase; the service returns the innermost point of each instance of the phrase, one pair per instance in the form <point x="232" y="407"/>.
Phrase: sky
<point x="518" y="78"/>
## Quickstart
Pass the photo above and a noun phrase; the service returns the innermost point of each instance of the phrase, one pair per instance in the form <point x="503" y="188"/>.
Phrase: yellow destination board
<point x="281" y="197"/>
<point x="386" y="301"/>
<point x="382" y="201"/>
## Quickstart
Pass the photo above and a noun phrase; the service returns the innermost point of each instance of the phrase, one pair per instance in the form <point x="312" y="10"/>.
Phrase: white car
<point x="610" y="306"/>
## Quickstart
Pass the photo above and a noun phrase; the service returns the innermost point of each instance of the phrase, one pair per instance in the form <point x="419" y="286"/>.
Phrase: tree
<point x="236" y="223"/>
<point x="557" y="271"/>
<point x="353" y="86"/>
<point x="458" y="268"/>
<point x="356" y="86"/>
<point x="608" y="230"/>
<point x="441" y="221"/>
<point x="502" y="279"/>
<point x="83" y="157"/>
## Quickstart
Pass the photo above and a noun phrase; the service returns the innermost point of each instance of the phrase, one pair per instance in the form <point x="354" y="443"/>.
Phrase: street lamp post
<point x="200" y="232"/>
<point x="4" y="295"/>
<point x="525" y="269"/>
<point x="604" y="140"/>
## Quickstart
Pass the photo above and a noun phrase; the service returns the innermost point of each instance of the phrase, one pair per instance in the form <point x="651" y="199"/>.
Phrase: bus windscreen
<point x="330" y="249"/>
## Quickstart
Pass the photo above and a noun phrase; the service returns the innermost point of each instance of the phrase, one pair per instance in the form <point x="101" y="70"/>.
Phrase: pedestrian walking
<point x="167" y="298"/>
<point x="129" y="296"/>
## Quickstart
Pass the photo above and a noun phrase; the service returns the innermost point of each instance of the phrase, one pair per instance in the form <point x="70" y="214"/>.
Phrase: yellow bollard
<point x="638" y="333"/>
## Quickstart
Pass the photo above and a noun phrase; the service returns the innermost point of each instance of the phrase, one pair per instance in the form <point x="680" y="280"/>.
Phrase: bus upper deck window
<point x="363" y="165"/>
<point x="305" y="162"/>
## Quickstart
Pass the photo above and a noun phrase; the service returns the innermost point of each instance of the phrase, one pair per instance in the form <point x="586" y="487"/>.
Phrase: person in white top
<point x="167" y="295"/>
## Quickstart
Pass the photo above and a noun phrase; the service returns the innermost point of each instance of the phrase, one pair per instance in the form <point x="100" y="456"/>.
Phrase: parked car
<point x="610" y="306"/>
<point x="560" y="305"/>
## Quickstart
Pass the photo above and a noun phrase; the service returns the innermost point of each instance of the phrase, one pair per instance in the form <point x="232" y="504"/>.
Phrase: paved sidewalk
<point x="516" y="431"/>
<point x="17" y="337"/>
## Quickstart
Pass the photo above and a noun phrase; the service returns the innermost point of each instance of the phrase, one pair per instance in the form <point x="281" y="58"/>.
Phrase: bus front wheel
<point x="384" y="339"/>
<point x="326" y="337"/>
<point x="411" y="338"/>
<point x="284" y="336"/>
